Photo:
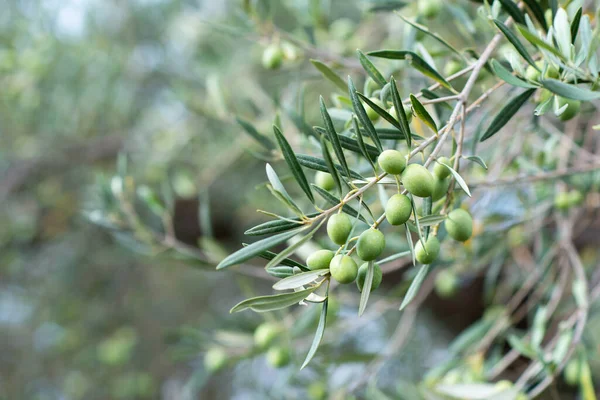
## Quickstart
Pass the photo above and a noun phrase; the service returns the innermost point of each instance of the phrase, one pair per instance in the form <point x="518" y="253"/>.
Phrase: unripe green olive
<point x="439" y="170"/>
<point x="278" y="356"/>
<point x="362" y="275"/>
<point x="429" y="8"/>
<point x="552" y="72"/>
<point x="427" y="254"/>
<point x="339" y="227"/>
<point x="272" y="56"/>
<point x="459" y="225"/>
<point x="572" y="110"/>
<point x="324" y="180"/>
<point x="452" y="67"/>
<point x="317" y="391"/>
<point x="398" y="209"/>
<point x="572" y="372"/>
<point x="440" y="189"/>
<point x="392" y="161"/>
<point x="372" y="114"/>
<point x="407" y="113"/>
<point x="418" y="180"/>
<point x="266" y="333"/>
<point x="532" y="74"/>
<point x="544" y="95"/>
<point x="562" y="201"/>
<point x="290" y="52"/>
<point x="370" y="245"/>
<point x="215" y="359"/>
<point x="343" y="269"/>
<point x="319" y="259"/>
<point x="446" y="283"/>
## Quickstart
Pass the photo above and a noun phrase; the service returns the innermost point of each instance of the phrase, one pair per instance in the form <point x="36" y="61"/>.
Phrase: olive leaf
<point x="394" y="257"/>
<point x="516" y="43"/>
<point x="522" y="347"/>
<point x="361" y="143"/>
<point x="293" y="164"/>
<point x="278" y="190"/>
<point x="461" y="182"/>
<point x="299" y="280"/>
<point x="507" y="112"/>
<point x="410" y="244"/>
<point x="538" y="12"/>
<point x="569" y="91"/>
<point x="477" y="160"/>
<point x="416" y="62"/>
<point x="318" y="334"/>
<point x="251" y="130"/>
<point x="329" y="74"/>
<point x="432" y="219"/>
<point x="399" y="107"/>
<point x="422" y="113"/>
<point x="319" y="164"/>
<point x="300" y="123"/>
<point x="509" y="78"/>
<point x="288" y="262"/>
<point x="254" y="249"/>
<point x="539" y="42"/>
<point x="273" y="302"/>
<point x="333" y="136"/>
<point x="362" y="115"/>
<point x="415" y="286"/>
<point x="470" y="335"/>
<point x="331" y="166"/>
<point x="366" y="290"/>
<point x="371" y="69"/>
<point x="276" y="226"/>
<point x="291" y="249"/>
<point x="352" y="145"/>
<point x="380" y="111"/>
<point x="575" y="25"/>
<point x="280" y="271"/>
<point x="511" y="9"/>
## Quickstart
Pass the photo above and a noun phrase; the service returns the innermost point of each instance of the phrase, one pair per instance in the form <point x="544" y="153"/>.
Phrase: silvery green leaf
<point x="291" y="249"/>
<point x="537" y="12"/>
<point x="461" y="182"/>
<point x="509" y="78"/>
<point x="318" y="335"/>
<point x="299" y="280"/>
<point x="422" y="113"/>
<point x="477" y="160"/>
<point x="371" y="70"/>
<point x="430" y="220"/>
<point x="366" y="290"/>
<point x="280" y="271"/>
<point x="474" y="391"/>
<point x="569" y="91"/>
<point x="394" y="257"/>
<point x="563" y="32"/>
<point x="273" y="302"/>
<point x="319" y="164"/>
<point x="251" y="130"/>
<point x="426" y="31"/>
<point x="276" y="226"/>
<point x="539" y="42"/>
<point x="539" y="327"/>
<point x="399" y="108"/>
<point x="575" y="25"/>
<point x="543" y="108"/>
<point x="332" y="200"/>
<point x="507" y="112"/>
<point x="522" y="347"/>
<point x="580" y="293"/>
<point x="515" y="42"/>
<point x="410" y="244"/>
<point x="360" y="112"/>
<point x="562" y="346"/>
<point x="329" y="74"/>
<point x="293" y="164"/>
<point x="415" y="286"/>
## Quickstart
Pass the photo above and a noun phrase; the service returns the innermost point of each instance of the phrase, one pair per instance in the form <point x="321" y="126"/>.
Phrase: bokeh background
<point x="101" y="96"/>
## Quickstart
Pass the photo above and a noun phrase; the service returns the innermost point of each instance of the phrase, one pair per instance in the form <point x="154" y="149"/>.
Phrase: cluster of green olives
<point x="565" y="200"/>
<point x="419" y="182"/>
<point x="276" y="53"/>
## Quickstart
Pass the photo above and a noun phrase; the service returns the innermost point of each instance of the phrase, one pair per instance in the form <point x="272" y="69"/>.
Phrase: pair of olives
<point x="416" y="179"/>
<point x="565" y="200"/>
<point x="371" y="242"/>
<point x="274" y="54"/>
<point x="264" y="336"/>
<point x="343" y="268"/>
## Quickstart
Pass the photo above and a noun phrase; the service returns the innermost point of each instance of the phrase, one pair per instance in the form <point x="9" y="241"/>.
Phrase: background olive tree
<point x="154" y="121"/>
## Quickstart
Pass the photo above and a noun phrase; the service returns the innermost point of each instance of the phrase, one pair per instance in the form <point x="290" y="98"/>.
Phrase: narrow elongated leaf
<point x="422" y="113"/>
<point x="539" y="328"/>
<point x="522" y="347"/>
<point x="280" y="271"/>
<point x="415" y="286"/>
<point x="512" y="10"/>
<point x="273" y="302"/>
<point x="332" y="200"/>
<point x="318" y="164"/>
<point x="298" y="280"/>
<point x="288" y="262"/>
<point x="562" y="31"/>
<point x="426" y="31"/>
<point x="569" y="91"/>
<point x="461" y="182"/>
<point x="416" y="62"/>
<point x="276" y="226"/>
<point x="562" y="346"/>
<point x="366" y="290"/>
<point x="516" y="43"/>
<point x="291" y="249"/>
<point x="394" y="134"/>
<point x="333" y="136"/>
<point x="389" y="118"/>
<point x="575" y="25"/>
<point x="411" y="246"/>
<point x="537" y="12"/>
<point x="477" y="160"/>
<point x="371" y="70"/>
<point x="361" y="143"/>
<point x="318" y="335"/>
<point x="417" y="224"/>
<point x="286" y="200"/>
<point x="329" y="74"/>
<point x="293" y="164"/>
<point x="251" y="130"/>
<point x="331" y="166"/>
<point x="362" y="115"/>
<point x="256" y="248"/>
<point x="507" y="112"/>
<point x="352" y="145"/>
<point x="539" y="42"/>
<point x="387" y="5"/>
<point x="509" y="78"/>
<point x="399" y="107"/>
<point x="430" y="220"/>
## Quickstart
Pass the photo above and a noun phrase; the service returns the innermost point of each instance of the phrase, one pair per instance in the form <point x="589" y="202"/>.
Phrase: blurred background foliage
<point x="107" y="97"/>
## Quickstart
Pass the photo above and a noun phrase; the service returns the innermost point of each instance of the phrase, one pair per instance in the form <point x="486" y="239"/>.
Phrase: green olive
<point x="398" y="209"/>
<point x="459" y="225"/>
<point x="562" y="201"/>
<point x="572" y="372"/>
<point x="343" y="269"/>
<point x="572" y="109"/>
<point x="290" y="52"/>
<point x="370" y="245"/>
<point x="317" y="391"/>
<point x="418" y="180"/>
<point x="552" y="72"/>
<point x="575" y="197"/>
<point x="440" y="189"/>
<point x="392" y="161"/>
<point x="272" y="57"/>
<point x="371" y="113"/>
<point x="278" y="356"/>
<point x="339" y="227"/>
<point x="544" y="95"/>
<point x="441" y="171"/>
<point x="362" y="275"/>
<point x="324" y="180"/>
<point x="215" y="359"/>
<point x="532" y="74"/>
<point x="446" y="283"/>
<point x="407" y="113"/>
<point x="427" y="254"/>
<point x="452" y="67"/>
<point x="319" y="259"/>
<point x="430" y="8"/>
<point x="265" y="334"/>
